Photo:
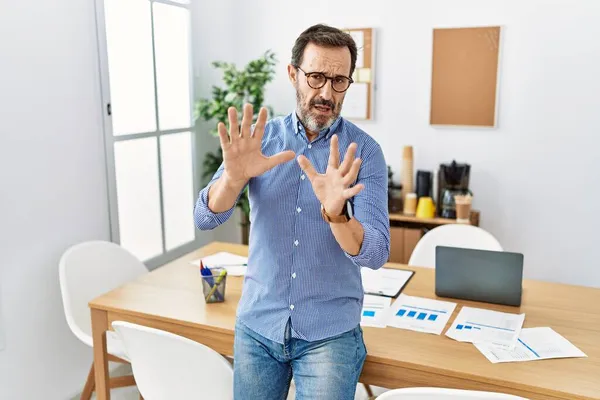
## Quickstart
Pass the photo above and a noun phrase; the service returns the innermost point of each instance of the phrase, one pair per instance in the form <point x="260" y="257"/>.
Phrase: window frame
<point x="110" y="139"/>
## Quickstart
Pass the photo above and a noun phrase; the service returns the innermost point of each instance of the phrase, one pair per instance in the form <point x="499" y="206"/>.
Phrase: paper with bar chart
<point x="533" y="344"/>
<point x="476" y="325"/>
<point x="375" y="311"/>
<point x="420" y="314"/>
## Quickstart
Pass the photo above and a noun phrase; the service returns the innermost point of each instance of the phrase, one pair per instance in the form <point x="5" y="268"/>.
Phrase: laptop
<point x="479" y="275"/>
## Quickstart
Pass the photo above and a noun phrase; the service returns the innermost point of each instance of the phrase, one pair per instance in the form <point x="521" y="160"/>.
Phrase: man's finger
<point x="353" y="191"/>
<point x="351" y="176"/>
<point x="307" y="167"/>
<point x="280" y="158"/>
<point x="334" y="152"/>
<point x="223" y="137"/>
<point x="348" y="158"/>
<point x="234" y="126"/>
<point x="259" y="128"/>
<point x="247" y="116"/>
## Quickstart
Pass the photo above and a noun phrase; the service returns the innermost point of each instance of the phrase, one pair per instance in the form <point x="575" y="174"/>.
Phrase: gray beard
<point x="309" y="120"/>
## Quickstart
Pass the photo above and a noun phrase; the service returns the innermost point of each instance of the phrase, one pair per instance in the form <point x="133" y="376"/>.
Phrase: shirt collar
<point x="325" y="132"/>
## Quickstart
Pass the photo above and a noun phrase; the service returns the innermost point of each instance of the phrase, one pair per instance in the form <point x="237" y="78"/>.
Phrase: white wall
<point x="52" y="174"/>
<point x="535" y="177"/>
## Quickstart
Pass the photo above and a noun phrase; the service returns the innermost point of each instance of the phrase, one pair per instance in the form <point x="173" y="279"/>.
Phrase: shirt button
<point x="294" y="275"/>
<point x="298" y="209"/>
<point x="291" y="307"/>
<point x="302" y="176"/>
<point x="310" y="146"/>
<point x="296" y="242"/>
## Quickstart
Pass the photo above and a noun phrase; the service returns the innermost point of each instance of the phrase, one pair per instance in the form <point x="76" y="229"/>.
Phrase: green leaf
<point x="240" y="86"/>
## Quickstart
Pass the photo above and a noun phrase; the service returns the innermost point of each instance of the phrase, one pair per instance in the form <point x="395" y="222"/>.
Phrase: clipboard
<point x="386" y="282"/>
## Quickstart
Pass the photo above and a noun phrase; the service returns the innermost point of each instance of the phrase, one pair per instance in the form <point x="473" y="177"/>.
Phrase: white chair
<point x="86" y="271"/>
<point x="443" y="394"/>
<point x="452" y="235"/>
<point x="168" y="366"/>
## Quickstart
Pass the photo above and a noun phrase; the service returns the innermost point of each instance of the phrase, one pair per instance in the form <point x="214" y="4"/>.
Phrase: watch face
<point x="350" y="209"/>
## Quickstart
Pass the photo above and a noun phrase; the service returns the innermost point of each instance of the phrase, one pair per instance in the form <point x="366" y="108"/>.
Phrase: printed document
<point x="533" y="344"/>
<point x="384" y="281"/>
<point x="420" y="314"/>
<point x="375" y="311"/>
<point x="477" y="325"/>
<point x="234" y="264"/>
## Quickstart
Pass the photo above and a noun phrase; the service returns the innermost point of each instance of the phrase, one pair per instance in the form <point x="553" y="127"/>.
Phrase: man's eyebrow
<point x="326" y="74"/>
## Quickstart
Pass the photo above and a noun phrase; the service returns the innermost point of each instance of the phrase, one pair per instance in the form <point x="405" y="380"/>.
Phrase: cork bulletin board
<point x="358" y="103"/>
<point x="464" y="81"/>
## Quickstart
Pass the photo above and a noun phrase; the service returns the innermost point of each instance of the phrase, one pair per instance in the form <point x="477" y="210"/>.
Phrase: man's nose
<point x="326" y="91"/>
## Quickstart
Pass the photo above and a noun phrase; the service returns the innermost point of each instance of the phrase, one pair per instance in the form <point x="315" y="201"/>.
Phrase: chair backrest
<point x="168" y="366"/>
<point x="88" y="270"/>
<point x="444" y="394"/>
<point x="452" y="235"/>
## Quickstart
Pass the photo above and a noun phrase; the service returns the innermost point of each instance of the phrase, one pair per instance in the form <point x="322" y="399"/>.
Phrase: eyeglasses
<point x="317" y="80"/>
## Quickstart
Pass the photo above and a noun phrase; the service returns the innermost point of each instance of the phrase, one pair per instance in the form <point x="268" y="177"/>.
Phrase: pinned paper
<point x="364" y="75"/>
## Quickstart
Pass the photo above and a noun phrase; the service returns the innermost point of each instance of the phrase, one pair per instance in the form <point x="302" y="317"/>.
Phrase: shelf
<point x="412" y="218"/>
<point x="399" y="217"/>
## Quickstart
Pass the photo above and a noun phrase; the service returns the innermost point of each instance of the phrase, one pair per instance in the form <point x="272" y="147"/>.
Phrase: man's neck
<point x="311" y="135"/>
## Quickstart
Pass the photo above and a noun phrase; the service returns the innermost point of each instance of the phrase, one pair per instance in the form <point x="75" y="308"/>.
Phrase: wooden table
<point x="170" y="298"/>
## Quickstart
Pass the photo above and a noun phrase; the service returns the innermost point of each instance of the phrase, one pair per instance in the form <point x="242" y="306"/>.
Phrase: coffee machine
<point x="453" y="179"/>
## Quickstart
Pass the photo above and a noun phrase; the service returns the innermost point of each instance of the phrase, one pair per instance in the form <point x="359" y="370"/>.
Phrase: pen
<point x="228" y="265"/>
<point x="207" y="274"/>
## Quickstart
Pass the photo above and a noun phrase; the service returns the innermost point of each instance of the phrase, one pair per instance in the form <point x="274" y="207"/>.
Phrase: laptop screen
<point x="479" y="275"/>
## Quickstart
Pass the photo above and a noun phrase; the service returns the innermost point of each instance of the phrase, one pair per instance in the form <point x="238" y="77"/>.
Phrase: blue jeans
<point x="325" y="369"/>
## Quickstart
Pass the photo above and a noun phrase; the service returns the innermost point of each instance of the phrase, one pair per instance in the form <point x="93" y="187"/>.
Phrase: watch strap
<point x="336" y="219"/>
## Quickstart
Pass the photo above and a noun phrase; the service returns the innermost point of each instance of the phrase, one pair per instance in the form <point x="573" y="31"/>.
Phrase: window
<point x="145" y="68"/>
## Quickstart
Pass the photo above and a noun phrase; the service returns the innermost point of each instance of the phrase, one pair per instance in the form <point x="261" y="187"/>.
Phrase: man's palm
<point x="333" y="187"/>
<point x="242" y="148"/>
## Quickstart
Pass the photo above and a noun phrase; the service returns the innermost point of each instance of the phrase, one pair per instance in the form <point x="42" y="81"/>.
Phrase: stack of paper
<point x="420" y="314"/>
<point x="234" y="264"/>
<point x="532" y="344"/>
<point x="375" y="311"/>
<point x="477" y="325"/>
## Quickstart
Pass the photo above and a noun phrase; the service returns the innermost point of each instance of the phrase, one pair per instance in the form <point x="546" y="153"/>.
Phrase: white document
<point x="356" y="101"/>
<point x="384" y="281"/>
<point x="234" y="264"/>
<point x="375" y="311"/>
<point x="359" y="40"/>
<point x="477" y="325"/>
<point x="533" y="344"/>
<point x="420" y="314"/>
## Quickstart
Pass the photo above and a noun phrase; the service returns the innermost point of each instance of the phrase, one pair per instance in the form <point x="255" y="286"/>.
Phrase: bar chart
<point x="420" y="314"/>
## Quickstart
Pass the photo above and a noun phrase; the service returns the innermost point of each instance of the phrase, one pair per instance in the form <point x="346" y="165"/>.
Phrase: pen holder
<point x="213" y="286"/>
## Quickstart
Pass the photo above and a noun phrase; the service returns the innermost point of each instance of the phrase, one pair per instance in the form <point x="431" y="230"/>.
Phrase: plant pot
<point x="245" y="224"/>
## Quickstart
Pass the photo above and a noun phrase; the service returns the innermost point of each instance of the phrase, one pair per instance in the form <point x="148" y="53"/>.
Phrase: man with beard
<point x="314" y="224"/>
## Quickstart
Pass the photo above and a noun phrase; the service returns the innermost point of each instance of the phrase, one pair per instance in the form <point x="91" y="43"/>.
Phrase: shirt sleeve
<point x="371" y="210"/>
<point x="204" y="217"/>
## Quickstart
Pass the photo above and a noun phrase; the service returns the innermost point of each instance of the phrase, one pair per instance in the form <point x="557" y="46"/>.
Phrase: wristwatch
<point x="345" y="216"/>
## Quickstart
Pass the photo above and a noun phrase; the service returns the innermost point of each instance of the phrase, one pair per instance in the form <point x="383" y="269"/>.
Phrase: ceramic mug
<point x="425" y="208"/>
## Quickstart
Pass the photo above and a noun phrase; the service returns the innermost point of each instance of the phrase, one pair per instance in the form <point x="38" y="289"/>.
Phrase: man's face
<point x="318" y="109"/>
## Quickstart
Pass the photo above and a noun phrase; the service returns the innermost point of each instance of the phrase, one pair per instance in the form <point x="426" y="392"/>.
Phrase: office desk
<point x="170" y="298"/>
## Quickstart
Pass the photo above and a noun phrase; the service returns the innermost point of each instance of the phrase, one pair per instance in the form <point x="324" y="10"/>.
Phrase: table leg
<point x="99" y="328"/>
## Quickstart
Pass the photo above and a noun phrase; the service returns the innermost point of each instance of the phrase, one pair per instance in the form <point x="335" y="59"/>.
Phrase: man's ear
<point x="292" y="73"/>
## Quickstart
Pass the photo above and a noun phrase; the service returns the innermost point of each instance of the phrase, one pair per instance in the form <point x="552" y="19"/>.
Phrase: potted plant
<point x="242" y="86"/>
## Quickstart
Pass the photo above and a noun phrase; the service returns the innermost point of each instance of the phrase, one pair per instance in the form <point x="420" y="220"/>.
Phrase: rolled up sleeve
<point x="204" y="217"/>
<point x="371" y="210"/>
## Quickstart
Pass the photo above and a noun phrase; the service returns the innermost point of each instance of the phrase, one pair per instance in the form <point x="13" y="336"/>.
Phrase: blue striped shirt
<point x="296" y="268"/>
